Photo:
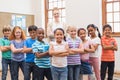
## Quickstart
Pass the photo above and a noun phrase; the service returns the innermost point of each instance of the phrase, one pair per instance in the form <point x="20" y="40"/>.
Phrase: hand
<point x="37" y="55"/>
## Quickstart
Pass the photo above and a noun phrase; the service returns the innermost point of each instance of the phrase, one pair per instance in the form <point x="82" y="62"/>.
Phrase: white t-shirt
<point x="52" y="26"/>
<point x="94" y="42"/>
<point x="57" y="25"/>
<point x="59" y="61"/>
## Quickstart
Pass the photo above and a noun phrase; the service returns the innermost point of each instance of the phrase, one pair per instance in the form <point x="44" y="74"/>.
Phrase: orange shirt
<point x="108" y="55"/>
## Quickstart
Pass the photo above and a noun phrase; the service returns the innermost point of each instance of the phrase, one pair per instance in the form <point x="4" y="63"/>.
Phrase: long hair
<point x="12" y="36"/>
<point x="95" y="27"/>
<point x="62" y="31"/>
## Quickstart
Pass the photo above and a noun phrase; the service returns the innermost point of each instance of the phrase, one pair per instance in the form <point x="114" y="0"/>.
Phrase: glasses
<point x="56" y="13"/>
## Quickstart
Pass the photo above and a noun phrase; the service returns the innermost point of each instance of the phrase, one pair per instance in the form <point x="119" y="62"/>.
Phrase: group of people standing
<point x="67" y="55"/>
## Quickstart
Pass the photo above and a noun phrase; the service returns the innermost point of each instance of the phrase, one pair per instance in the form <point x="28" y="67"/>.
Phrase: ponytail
<point x="95" y="27"/>
<point x="99" y="35"/>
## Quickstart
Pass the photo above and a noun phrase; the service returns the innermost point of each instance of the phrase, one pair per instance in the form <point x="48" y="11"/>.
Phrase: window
<point x="49" y="5"/>
<point x="111" y="14"/>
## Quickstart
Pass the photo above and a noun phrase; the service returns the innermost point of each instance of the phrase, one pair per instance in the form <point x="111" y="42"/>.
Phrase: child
<point x="17" y="38"/>
<point x="59" y="52"/>
<point x="74" y="57"/>
<point x="95" y="40"/>
<point x="85" y="67"/>
<point x="109" y="45"/>
<point x="42" y="60"/>
<point x="30" y="65"/>
<point x="6" y="52"/>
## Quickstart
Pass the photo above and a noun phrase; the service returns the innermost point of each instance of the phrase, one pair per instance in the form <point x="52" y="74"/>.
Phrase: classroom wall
<point x="17" y="6"/>
<point x="78" y="12"/>
<point x="81" y="13"/>
<point x="26" y="7"/>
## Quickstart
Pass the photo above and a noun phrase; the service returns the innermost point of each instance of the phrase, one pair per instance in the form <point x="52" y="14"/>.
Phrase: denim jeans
<point x="15" y="68"/>
<point x="73" y="72"/>
<point x="41" y="73"/>
<point x="59" y="73"/>
<point x="29" y="69"/>
<point x="5" y="64"/>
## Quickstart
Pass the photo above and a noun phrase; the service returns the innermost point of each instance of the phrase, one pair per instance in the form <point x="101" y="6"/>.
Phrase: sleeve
<point x="12" y="42"/>
<point x="98" y="41"/>
<point x="115" y="42"/>
<point x="1" y="42"/>
<point x="102" y="41"/>
<point x="49" y="29"/>
<point x="25" y="43"/>
<point x="34" y="48"/>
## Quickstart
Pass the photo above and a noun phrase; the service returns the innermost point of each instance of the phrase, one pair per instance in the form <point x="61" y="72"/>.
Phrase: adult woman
<point x="55" y="24"/>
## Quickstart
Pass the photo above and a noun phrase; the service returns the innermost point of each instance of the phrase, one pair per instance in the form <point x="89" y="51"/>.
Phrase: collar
<point x="5" y="38"/>
<point x="60" y="43"/>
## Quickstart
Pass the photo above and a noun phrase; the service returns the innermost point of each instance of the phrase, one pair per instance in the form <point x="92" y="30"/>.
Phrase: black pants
<point x="107" y="65"/>
<point x="43" y="72"/>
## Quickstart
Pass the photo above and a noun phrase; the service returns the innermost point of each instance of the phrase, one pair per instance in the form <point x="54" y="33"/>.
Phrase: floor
<point x="116" y="76"/>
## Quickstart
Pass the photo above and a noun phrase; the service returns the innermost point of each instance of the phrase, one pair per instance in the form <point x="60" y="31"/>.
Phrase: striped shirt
<point x="108" y="55"/>
<point x="73" y="59"/>
<point x="41" y="47"/>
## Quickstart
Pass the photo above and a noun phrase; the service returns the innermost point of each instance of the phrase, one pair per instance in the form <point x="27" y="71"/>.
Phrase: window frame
<point x="46" y="6"/>
<point x="104" y="16"/>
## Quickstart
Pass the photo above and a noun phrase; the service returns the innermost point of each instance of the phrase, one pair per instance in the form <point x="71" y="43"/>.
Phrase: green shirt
<point x="5" y="42"/>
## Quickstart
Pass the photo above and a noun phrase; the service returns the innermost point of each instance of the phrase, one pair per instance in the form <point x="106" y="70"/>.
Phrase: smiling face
<point x="6" y="33"/>
<point x="82" y="34"/>
<point x="33" y="34"/>
<point x="59" y="35"/>
<point x="18" y="33"/>
<point x="40" y="34"/>
<point x="107" y="32"/>
<point x="91" y="31"/>
<point x="72" y="32"/>
<point x="56" y="13"/>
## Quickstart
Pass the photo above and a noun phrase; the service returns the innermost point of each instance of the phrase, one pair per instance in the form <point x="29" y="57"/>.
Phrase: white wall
<point x="17" y="6"/>
<point x="83" y="12"/>
<point x="39" y="13"/>
<point x="117" y="56"/>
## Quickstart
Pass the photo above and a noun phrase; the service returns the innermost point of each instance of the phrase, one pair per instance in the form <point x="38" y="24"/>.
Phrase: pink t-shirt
<point x="85" y="57"/>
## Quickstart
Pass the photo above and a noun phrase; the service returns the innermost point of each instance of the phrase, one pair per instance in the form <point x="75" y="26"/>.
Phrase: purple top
<point x="74" y="59"/>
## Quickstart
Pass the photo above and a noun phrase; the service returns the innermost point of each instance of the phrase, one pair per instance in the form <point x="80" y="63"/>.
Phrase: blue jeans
<point x="73" y="72"/>
<point x="41" y="73"/>
<point x="15" y="68"/>
<point x="59" y="73"/>
<point x="5" y="64"/>
<point x="29" y="69"/>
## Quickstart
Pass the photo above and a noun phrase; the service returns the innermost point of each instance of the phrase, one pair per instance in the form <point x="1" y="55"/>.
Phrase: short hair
<point x="12" y="36"/>
<point x="32" y="27"/>
<point x="6" y="28"/>
<point x="107" y="26"/>
<point x="55" y="8"/>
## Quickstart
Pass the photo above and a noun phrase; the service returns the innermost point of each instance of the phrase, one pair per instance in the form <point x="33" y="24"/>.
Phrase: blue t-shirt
<point x="18" y="56"/>
<point x="43" y="62"/>
<point x="28" y="44"/>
